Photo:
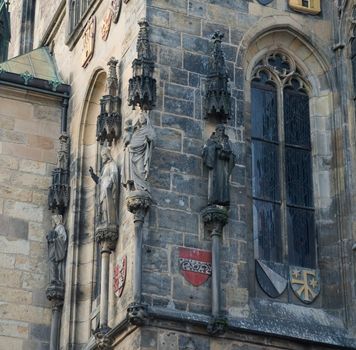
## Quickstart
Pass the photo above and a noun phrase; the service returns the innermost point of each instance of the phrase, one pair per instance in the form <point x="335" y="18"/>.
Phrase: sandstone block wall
<point x="29" y="129"/>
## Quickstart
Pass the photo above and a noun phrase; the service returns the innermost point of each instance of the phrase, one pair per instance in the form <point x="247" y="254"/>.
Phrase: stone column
<point x="138" y="203"/>
<point x="107" y="237"/>
<point x="215" y="217"/>
<point x="55" y="293"/>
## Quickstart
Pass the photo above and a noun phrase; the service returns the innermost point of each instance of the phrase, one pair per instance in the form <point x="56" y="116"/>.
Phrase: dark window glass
<point x="265" y="171"/>
<point x="353" y="61"/>
<point x="264" y="112"/>
<point x="296" y="118"/>
<point x="299" y="185"/>
<point x="266" y="229"/>
<point x="301" y="237"/>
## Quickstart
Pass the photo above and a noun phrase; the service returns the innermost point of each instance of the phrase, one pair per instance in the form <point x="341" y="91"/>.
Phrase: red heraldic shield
<point x="195" y="265"/>
<point x="120" y="277"/>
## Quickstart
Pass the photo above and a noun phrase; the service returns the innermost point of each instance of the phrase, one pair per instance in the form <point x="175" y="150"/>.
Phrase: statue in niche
<point x="138" y="141"/>
<point x="57" y="249"/>
<point x="108" y="182"/>
<point x="218" y="157"/>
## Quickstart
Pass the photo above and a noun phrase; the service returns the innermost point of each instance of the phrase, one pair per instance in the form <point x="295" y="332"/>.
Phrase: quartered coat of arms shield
<point x="195" y="265"/>
<point x="305" y="283"/>
<point x="120" y="276"/>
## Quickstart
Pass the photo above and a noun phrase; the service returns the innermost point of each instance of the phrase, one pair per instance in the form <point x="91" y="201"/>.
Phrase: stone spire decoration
<point x="142" y="85"/>
<point x="58" y="195"/>
<point x="57" y="250"/>
<point x="218" y="95"/>
<point x="220" y="161"/>
<point x="108" y="125"/>
<point x="106" y="232"/>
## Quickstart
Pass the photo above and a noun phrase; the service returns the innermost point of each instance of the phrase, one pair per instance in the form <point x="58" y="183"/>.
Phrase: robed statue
<point x="108" y="182"/>
<point x="220" y="160"/>
<point x="57" y="249"/>
<point x="138" y="143"/>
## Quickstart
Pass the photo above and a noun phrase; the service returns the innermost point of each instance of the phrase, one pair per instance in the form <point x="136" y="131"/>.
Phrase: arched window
<point x="283" y="209"/>
<point x="78" y="9"/>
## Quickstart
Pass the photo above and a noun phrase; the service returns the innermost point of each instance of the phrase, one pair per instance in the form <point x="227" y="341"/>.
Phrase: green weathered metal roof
<point x="34" y="64"/>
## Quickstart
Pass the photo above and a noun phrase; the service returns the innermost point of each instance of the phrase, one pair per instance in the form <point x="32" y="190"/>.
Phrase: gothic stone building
<point x="177" y="174"/>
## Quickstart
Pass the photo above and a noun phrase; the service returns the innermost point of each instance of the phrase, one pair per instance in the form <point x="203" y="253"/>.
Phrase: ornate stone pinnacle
<point x="143" y="44"/>
<point x="102" y="341"/>
<point x="218" y="95"/>
<point x="112" y="82"/>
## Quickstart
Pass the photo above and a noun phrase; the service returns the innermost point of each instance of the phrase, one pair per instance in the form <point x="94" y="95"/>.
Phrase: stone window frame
<point x="316" y="70"/>
<point x="79" y="11"/>
<point x="282" y="79"/>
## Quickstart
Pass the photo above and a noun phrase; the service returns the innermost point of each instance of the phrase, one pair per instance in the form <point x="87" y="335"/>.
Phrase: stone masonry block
<point x="172" y="161"/>
<point x="189" y="185"/>
<point x="177" y="220"/>
<point x="185" y="24"/>
<point x="181" y="107"/>
<point x="196" y="63"/>
<point x="191" y="127"/>
<point x="160" y="179"/>
<point x="173" y="5"/>
<point x="154" y="259"/>
<point x="158" y="17"/>
<point x="25" y="211"/>
<point x="164" y="237"/>
<point x="168" y="199"/>
<point x="165" y="37"/>
<point x="210" y="28"/>
<point x="13" y="228"/>
<point x="168" y="139"/>
<point x="170" y="57"/>
<point x="178" y="91"/>
<point x="193" y="146"/>
<point x="178" y="76"/>
<point x="197" y="8"/>
<point x="156" y="283"/>
<point x="196" y="44"/>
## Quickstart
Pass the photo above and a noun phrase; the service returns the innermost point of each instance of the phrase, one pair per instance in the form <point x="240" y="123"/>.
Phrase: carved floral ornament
<point x="277" y="67"/>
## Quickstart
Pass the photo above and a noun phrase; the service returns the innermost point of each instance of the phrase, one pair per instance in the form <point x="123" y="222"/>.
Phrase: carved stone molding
<point x="142" y="85"/>
<point x="55" y="292"/>
<point x="102" y="341"/>
<point x="137" y="203"/>
<point x="137" y="313"/>
<point x="107" y="234"/>
<point x="217" y="325"/>
<point x="218" y="97"/>
<point x="215" y="218"/>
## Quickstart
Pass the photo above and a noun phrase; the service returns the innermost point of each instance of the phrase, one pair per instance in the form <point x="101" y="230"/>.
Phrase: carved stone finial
<point x="142" y="85"/>
<point x="143" y="44"/>
<point x="112" y="82"/>
<point x="218" y="94"/>
<point x="108" y="125"/>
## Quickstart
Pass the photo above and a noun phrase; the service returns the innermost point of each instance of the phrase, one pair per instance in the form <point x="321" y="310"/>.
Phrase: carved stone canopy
<point x="108" y="126"/>
<point x="218" y="95"/>
<point x="142" y="85"/>
<point x="58" y="196"/>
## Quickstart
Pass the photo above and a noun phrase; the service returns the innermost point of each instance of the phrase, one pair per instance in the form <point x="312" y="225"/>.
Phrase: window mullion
<point x="282" y="171"/>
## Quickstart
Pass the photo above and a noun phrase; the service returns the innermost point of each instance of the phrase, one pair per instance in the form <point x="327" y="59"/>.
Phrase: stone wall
<point x="29" y="129"/>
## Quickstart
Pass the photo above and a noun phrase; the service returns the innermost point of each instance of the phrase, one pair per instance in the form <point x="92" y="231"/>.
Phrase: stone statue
<point x="109" y="190"/>
<point x="138" y="141"/>
<point x="218" y="157"/>
<point x="57" y="249"/>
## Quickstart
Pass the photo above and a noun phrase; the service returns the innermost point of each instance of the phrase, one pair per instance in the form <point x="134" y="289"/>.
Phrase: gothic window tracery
<point x="283" y="209"/>
<point x="78" y="9"/>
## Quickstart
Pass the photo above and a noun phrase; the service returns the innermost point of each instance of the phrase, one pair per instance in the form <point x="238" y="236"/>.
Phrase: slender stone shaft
<point x="104" y="285"/>
<point x="216" y="275"/>
<point x="138" y="260"/>
<point x="55" y="327"/>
